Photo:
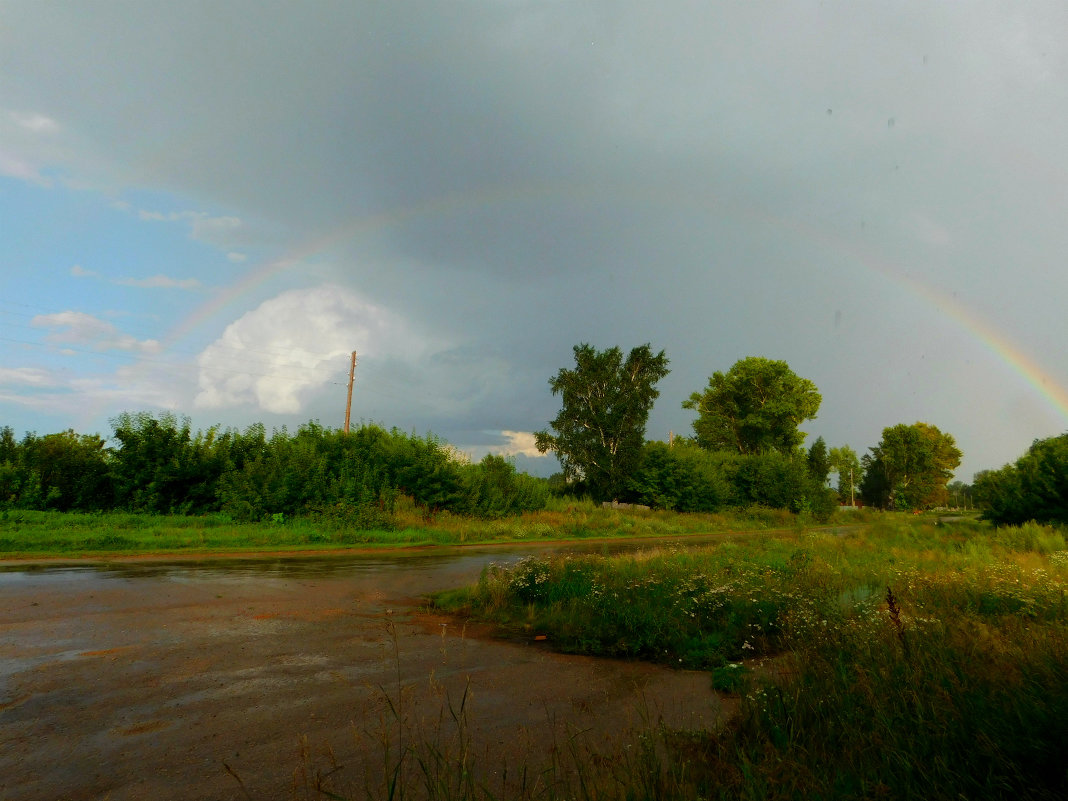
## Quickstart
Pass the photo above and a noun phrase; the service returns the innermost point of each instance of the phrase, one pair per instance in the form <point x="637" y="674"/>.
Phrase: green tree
<point x="819" y="462"/>
<point x="1034" y="488"/>
<point x="9" y="447"/>
<point x="910" y="467"/>
<point x="755" y="407"/>
<point x="683" y="477"/>
<point x="600" y="429"/>
<point x="160" y="466"/>
<point x="62" y="471"/>
<point x="960" y="494"/>
<point x="845" y="463"/>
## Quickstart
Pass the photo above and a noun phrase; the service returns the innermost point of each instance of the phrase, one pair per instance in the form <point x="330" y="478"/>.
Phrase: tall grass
<point x="914" y="660"/>
<point x="35" y="533"/>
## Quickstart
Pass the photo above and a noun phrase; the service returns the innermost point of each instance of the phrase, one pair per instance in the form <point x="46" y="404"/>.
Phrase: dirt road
<point x="246" y="678"/>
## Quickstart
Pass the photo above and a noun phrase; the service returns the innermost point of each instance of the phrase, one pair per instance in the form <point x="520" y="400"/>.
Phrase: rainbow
<point x="994" y="340"/>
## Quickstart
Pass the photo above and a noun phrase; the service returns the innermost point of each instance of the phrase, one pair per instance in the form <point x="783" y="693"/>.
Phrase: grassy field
<point x="27" y="534"/>
<point x="913" y="659"/>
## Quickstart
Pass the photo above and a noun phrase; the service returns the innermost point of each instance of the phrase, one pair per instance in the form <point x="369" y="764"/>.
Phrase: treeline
<point x="1035" y="487"/>
<point x="746" y="451"/>
<point x="686" y="477"/>
<point x="160" y="465"/>
<point x="747" y="444"/>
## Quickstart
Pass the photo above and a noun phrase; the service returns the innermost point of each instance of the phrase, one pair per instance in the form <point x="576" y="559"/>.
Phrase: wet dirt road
<point x="244" y="679"/>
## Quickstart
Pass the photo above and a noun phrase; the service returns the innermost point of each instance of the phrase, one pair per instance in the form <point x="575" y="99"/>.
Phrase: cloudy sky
<point x="206" y="206"/>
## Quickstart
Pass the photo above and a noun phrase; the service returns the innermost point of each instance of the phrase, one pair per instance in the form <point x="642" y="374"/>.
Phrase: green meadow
<point x="31" y="533"/>
<point x="908" y="659"/>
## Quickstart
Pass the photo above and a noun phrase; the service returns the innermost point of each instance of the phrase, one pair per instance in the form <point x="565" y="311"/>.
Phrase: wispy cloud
<point x="26" y="377"/>
<point x="14" y="167"/>
<point x="34" y="122"/>
<point x="26" y="140"/>
<point x="160" y="282"/>
<point x="223" y="232"/>
<point x="80" y="329"/>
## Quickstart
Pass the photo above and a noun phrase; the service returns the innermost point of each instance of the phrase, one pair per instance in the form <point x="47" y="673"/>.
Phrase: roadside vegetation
<point x="914" y="659"/>
<point x="27" y="533"/>
<point x="747" y="451"/>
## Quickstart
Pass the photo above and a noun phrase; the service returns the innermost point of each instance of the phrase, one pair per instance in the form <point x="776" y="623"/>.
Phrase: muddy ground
<point x="248" y="679"/>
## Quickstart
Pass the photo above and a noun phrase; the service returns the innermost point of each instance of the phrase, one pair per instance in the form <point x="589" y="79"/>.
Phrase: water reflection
<point x="304" y="566"/>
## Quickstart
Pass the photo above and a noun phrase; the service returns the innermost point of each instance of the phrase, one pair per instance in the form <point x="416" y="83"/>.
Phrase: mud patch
<point x="146" y="687"/>
<point x="144" y="728"/>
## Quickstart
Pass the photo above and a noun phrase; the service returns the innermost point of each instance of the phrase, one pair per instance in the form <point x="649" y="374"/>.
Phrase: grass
<point x="27" y="534"/>
<point x="912" y="660"/>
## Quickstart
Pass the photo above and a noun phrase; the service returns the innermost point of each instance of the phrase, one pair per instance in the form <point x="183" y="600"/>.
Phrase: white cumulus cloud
<point x="518" y="443"/>
<point x="278" y="355"/>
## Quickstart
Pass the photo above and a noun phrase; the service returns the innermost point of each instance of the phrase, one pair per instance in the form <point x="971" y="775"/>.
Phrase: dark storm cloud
<point x="721" y="180"/>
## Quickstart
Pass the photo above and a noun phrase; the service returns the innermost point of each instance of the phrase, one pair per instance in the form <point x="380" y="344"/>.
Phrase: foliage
<point x="160" y="466"/>
<point x="819" y="461"/>
<point x="1034" y="488"/>
<point x="493" y="488"/>
<point x="601" y="425"/>
<point x="910" y="467"/>
<point x="754" y="408"/>
<point x="683" y="477"/>
<point x="960" y="494"/>
<point x="909" y="661"/>
<point x="57" y="471"/>
<point x="688" y="478"/>
<point x="845" y="463"/>
<point x="25" y="532"/>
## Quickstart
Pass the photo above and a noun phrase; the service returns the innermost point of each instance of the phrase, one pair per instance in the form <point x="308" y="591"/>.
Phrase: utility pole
<point x="348" y="403"/>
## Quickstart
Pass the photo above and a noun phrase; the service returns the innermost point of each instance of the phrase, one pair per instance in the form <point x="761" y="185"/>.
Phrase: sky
<point x="206" y="207"/>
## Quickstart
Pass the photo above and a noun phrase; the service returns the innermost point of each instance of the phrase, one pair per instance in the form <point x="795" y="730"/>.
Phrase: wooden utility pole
<point x="348" y="403"/>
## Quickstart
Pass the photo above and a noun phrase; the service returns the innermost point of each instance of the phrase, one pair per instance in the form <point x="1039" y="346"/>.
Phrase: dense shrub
<point x="687" y="478"/>
<point x="159" y="465"/>
<point x="1034" y="488"/>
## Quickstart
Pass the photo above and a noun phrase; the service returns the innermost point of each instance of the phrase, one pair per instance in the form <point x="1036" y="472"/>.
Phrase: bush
<point x="1034" y="488"/>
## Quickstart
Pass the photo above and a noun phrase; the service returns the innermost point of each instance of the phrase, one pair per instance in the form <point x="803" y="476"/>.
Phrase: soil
<point x="251" y="678"/>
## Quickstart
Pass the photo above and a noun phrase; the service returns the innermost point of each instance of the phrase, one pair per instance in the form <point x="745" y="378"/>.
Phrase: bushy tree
<point x="819" y="461"/>
<point x="910" y="467"/>
<point x="61" y="471"/>
<point x="160" y="466"/>
<point x="1034" y="488"/>
<point x="683" y="477"/>
<point x="845" y="463"/>
<point x="493" y="488"/>
<point x="755" y="407"/>
<point x="600" y="429"/>
<point x="688" y="478"/>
